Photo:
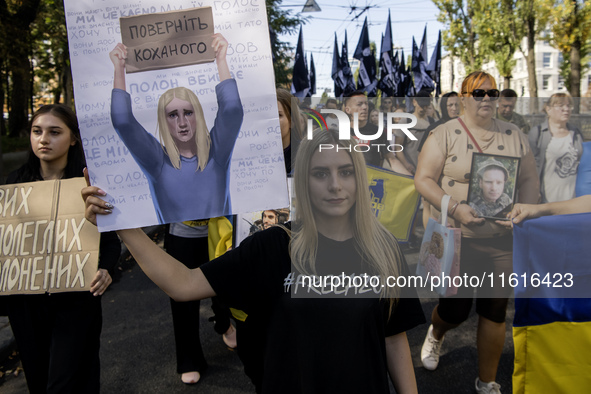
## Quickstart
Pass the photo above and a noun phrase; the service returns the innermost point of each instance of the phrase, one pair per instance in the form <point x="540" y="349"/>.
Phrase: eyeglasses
<point x="479" y="94"/>
<point x="567" y="107"/>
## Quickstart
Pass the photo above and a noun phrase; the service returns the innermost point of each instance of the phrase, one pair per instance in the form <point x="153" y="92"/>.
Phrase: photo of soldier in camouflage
<point x="492" y="187"/>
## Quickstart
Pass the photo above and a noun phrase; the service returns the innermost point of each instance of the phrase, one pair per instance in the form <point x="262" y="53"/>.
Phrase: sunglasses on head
<point x="479" y="94"/>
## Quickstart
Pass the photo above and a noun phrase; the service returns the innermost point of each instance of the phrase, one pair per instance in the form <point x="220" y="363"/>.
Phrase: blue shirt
<point x="184" y="193"/>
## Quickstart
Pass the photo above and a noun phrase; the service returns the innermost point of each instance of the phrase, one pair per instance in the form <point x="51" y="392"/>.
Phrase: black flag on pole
<point x="337" y="70"/>
<point x="422" y="80"/>
<point x="366" y="80"/>
<point x="347" y="73"/>
<point x="388" y="83"/>
<point x="312" y="76"/>
<point x="300" y="80"/>
<point x="423" y="47"/>
<point x="434" y="67"/>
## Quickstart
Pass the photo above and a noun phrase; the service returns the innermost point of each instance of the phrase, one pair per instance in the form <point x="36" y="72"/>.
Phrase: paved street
<point x="137" y="352"/>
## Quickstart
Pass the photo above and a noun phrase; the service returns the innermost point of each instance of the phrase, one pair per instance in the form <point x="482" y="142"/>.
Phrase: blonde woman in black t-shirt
<point x="337" y="343"/>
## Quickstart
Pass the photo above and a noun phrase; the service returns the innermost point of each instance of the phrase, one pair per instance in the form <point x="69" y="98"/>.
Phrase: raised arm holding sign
<point x="188" y="168"/>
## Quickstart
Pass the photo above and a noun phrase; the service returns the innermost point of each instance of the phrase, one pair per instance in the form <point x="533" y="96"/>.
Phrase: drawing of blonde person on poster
<point x="188" y="167"/>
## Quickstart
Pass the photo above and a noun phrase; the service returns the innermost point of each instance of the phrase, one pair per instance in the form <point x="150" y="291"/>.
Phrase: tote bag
<point x="440" y="253"/>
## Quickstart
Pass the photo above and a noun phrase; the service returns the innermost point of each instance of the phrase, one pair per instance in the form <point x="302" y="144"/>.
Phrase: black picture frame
<point x="485" y="175"/>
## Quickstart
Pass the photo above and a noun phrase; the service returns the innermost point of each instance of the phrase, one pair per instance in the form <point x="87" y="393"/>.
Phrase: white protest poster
<point x="46" y="244"/>
<point x="140" y="154"/>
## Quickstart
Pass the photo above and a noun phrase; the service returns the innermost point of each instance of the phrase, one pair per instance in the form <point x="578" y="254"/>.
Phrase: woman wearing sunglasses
<point x="557" y="147"/>
<point x="486" y="247"/>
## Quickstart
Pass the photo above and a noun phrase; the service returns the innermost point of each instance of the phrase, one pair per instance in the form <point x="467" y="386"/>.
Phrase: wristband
<point x="453" y="209"/>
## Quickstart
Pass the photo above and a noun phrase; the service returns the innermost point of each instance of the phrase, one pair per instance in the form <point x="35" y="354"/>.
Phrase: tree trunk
<point x="68" y="93"/>
<point x="2" y="97"/>
<point x="575" y="73"/>
<point x="531" y="63"/>
<point x="507" y="82"/>
<point x="20" y="72"/>
<point x="16" y="25"/>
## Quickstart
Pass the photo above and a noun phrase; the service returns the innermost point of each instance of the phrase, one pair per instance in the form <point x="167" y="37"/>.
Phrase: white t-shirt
<point x="560" y="170"/>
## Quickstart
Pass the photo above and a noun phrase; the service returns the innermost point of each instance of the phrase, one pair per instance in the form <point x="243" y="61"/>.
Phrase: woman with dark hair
<point x="58" y="335"/>
<point x="450" y="109"/>
<point x="335" y="343"/>
<point x="291" y="132"/>
<point x="72" y="163"/>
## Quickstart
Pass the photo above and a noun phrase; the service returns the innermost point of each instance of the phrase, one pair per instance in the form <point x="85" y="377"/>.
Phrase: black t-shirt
<point x="314" y="345"/>
<point x="377" y="148"/>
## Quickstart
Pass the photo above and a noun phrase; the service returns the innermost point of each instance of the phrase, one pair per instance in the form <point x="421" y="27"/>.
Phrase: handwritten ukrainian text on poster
<point x="235" y="166"/>
<point x="46" y="244"/>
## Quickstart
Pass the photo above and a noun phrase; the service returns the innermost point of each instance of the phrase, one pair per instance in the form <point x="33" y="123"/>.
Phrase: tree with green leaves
<point x="16" y="18"/>
<point x="282" y="22"/>
<point x="479" y="30"/>
<point x="460" y="36"/>
<point x="534" y="19"/>
<point x="51" y="54"/>
<point x="570" y="22"/>
<point x="500" y="34"/>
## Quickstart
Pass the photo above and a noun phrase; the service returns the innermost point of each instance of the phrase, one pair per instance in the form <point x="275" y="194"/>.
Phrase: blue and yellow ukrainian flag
<point x="394" y="200"/>
<point x="552" y="325"/>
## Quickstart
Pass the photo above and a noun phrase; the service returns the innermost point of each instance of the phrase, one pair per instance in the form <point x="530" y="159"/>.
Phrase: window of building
<point x="546" y="82"/>
<point x="560" y="58"/>
<point x="546" y="34"/>
<point x="560" y="82"/>
<point x="547" y="60"/>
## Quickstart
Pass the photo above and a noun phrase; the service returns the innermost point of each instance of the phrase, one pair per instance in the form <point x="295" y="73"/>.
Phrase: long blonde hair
<point x="377" y="244"/>
<point x="202" y="138"/>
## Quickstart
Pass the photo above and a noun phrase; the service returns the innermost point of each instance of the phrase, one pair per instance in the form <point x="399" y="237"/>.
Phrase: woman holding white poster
<point x="335" y="342"/>
<point x="58" y="335"/>
<point x="189" y="163"/>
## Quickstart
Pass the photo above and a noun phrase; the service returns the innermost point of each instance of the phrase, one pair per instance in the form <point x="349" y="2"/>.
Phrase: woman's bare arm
<point x="178" y="281"/>
<point x="528" y="211"/>
<point x="528" y="186"/>
<point x="400" y="364"/>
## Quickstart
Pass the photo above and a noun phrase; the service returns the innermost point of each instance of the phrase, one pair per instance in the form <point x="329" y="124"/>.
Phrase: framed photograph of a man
<point x="492" y="185"/>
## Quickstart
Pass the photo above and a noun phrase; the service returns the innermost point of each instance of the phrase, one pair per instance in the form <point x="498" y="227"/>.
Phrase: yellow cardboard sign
<point x="168" y="39"/>
<point x="46" y="244"/>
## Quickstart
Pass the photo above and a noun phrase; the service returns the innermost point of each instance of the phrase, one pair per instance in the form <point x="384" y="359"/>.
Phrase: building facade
<point x="548" y="60"/>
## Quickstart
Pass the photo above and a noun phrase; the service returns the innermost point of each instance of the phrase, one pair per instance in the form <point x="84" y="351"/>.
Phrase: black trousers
<point x="58" y="338"/>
